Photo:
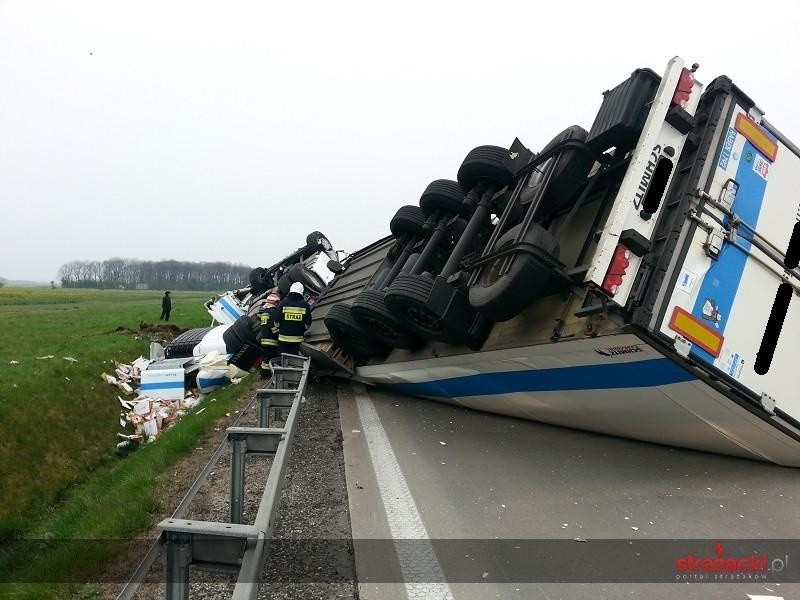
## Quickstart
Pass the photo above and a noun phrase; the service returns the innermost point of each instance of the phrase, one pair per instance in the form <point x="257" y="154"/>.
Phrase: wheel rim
<point x="491" y="273"/>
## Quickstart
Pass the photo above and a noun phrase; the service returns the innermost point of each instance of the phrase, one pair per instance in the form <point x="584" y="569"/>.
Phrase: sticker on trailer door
<point x="727" y="148"/>
<point x="731" y="363"/>
<point x="687" y="280"/>
<point x="761" y="166"/>
<point x="711" y="311"/>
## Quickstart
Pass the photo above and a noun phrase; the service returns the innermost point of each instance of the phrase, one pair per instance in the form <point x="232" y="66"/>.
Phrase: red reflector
<point x="684" y="89"/>
<point x="616" y="271"/>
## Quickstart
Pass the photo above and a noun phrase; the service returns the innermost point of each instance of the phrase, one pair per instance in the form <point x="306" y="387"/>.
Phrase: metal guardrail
<point x="234" y="547"/>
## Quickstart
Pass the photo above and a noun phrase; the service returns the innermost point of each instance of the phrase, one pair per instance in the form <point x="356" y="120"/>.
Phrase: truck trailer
<point x="635" y="279"/>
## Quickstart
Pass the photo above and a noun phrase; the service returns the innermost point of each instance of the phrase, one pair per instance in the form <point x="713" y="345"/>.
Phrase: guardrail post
<point x="231" y="547"/>
<point x="179" y="557"/>
<point x="238" y="454"/>
<point x="269" y="399"/>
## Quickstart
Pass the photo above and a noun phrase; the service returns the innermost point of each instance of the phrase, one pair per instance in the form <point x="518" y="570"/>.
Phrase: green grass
<point x="58" y="423"/>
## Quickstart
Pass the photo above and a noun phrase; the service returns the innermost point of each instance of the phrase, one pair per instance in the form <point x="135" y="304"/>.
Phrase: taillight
<point x="616" y="271"/>
<point x="685" y="85"/>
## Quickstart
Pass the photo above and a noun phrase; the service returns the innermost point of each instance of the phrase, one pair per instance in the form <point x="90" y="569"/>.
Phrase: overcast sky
<point x="228" y="131"/>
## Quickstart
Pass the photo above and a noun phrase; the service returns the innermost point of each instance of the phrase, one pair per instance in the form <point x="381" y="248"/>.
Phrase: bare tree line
<point x="164" y="274"/>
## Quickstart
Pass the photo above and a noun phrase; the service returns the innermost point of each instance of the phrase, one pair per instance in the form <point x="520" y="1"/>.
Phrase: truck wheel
<point x="348" y="335"/>
<point x="569" y="172"/>
<point x="408" y="220"/>
<point x="484" y="163"/>
<point x="182" y="346"/>
<point x="502" y="297"/>
<point x="407" y="299"/>
<point x="369" y="311"/>
<point x="299" y="272"/>
<point x="445" y="196"/>
<point x="315" y="237"/>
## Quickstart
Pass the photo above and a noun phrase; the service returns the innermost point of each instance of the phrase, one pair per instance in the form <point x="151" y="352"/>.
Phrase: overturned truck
<point x="635" y="279"/>
<point x="208" y="357"/>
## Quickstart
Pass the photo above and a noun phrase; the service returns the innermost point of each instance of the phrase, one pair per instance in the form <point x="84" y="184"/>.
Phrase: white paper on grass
<point x="150" y="428"/>
<point x="139" y="365"/>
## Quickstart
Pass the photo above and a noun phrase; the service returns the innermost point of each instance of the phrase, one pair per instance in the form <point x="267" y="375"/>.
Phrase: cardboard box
<point x="163" y="383"/>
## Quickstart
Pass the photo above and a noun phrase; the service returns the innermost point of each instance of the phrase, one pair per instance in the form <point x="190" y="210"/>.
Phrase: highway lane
<point x="417" y="468"/>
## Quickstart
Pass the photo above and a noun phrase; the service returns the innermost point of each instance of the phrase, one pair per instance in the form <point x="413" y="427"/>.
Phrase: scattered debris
<point x="14" y="362"/>
<point x="48" y="357"/>
<point x="71" y="359"/>
<point x="579" y="539"/>
<point x="148" y="416"/>
<point x="634" y="528"/>
<point x="443" y="443"/>
<point x="201" y="410"/>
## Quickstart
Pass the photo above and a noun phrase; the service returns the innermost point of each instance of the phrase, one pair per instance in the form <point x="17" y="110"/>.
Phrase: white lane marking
<point x="418" y="562"/>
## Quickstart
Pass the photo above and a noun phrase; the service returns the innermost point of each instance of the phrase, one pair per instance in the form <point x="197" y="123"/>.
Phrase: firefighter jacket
<point x="294" y="317"/>
<point x="268" y="334"/>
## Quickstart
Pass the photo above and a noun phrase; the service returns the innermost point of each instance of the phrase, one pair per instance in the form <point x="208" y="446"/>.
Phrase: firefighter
<point x="294" y="317"/>
<point x="268" y="334"/>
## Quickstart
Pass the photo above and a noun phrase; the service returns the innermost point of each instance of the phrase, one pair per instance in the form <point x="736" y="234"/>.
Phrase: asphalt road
<point x="418" y="469"/>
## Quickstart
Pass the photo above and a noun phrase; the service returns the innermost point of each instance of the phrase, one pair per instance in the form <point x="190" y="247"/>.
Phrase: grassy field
<point x="58" y="421"/>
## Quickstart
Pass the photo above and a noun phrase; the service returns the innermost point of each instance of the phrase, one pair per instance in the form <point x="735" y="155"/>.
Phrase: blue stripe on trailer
<point x="645" y="373"/>
<point x="209" y="382"/>
<point x="230" y="307"/>
<point x="721" y="283"/>
<point x="166" y="385"/>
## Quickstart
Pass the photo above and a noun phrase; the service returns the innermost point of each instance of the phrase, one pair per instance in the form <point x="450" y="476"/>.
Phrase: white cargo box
<point x="163" y="383"/>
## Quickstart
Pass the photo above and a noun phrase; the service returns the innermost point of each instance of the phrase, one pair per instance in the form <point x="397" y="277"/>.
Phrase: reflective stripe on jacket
<point x="293" y="318"/>
<point x="269" y="329"/>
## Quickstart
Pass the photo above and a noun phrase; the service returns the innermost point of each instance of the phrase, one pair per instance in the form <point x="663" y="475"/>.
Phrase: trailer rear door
<point x="731" y="264"/>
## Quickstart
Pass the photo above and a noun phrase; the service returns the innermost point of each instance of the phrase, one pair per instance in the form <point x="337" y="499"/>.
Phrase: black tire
<point x="445" y="196"/>
<point x="408" y="221"/>
<point x="407" y="299"/>
<point x="349" y="335"/>
<point x="243" y="331"/>
<point x="299" y="272"/>
<point x="183" y="345"/>
<point x="316" y="238"/>
<point x="569" y="172"/>
<point x="241" y="342"/>
<point x="502" y="297"/>
<point x="370" y="312"/>
<point x="484" y="163"/>
<point x="258" y="284"/>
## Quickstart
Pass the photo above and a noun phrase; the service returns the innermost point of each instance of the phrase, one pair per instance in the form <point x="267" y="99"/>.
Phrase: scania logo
<point x="647" y="176"/>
